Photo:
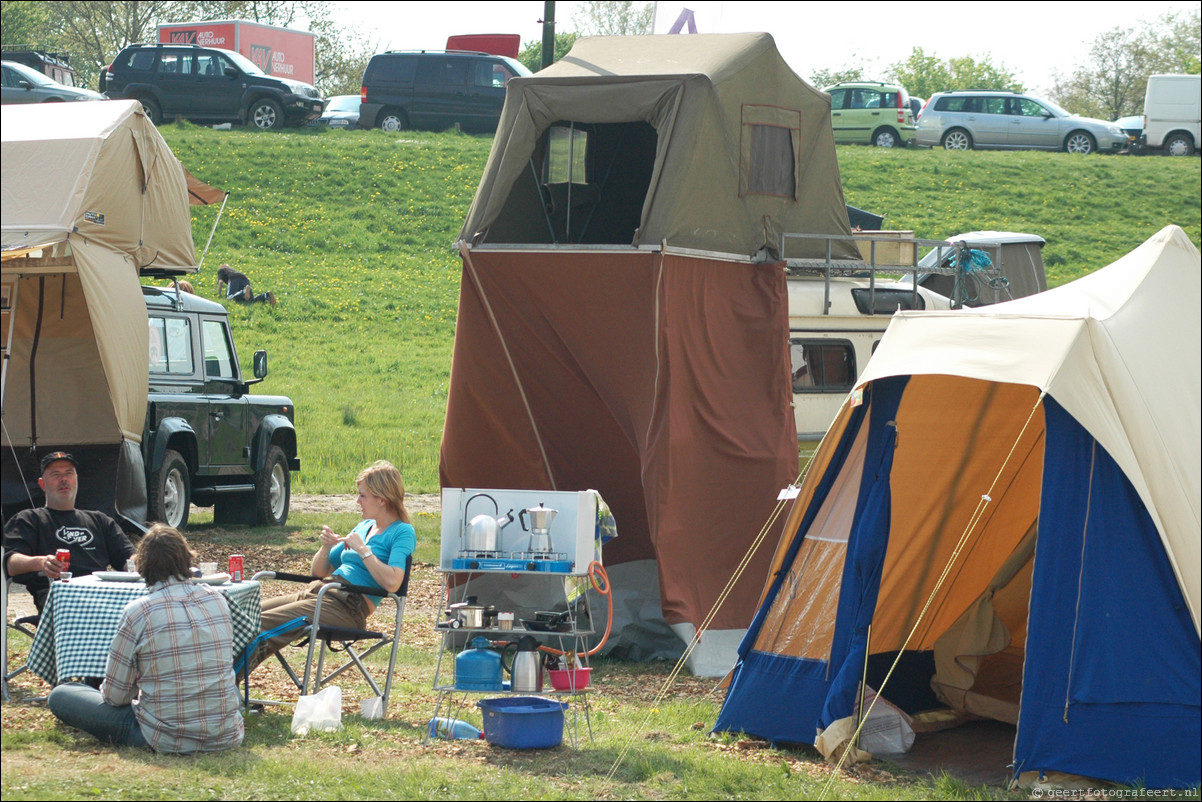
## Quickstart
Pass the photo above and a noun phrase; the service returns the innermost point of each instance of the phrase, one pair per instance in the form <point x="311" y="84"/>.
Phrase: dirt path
<point x="416" y="502"/>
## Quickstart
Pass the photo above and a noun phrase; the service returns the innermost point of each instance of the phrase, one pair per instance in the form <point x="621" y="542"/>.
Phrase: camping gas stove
<point x="547" y="561"/>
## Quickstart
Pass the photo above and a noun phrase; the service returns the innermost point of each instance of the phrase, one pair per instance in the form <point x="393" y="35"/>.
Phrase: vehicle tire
<point x="266" y="115"/>
<point x="151" y="107"/>
<point x="886" y="138"/>
<point x="1080" y="142"/>
<point x="169" y="494"/>
<point x="957" y="139"/>
<point x="273" y="489"/>
<point x="1179" y="144"/>
<point x="393" y="120"/>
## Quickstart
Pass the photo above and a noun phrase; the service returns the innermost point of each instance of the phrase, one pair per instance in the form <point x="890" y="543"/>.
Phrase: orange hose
<point x="595" y="570"/>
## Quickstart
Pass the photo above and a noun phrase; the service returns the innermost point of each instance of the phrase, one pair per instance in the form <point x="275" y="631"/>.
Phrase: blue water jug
<point x="478" y="668"/>
<point x="448" y="728"/>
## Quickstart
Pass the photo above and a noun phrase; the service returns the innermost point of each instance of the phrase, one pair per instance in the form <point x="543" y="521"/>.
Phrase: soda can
<point x="64" y="557"/>
<point x="235" y="567"/>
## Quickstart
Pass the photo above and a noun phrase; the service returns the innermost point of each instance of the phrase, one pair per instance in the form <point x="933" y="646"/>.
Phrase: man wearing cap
<point x="31" y="537"/>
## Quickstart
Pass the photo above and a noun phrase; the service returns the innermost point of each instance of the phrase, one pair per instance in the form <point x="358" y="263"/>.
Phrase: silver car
<point x="971" y="119"/>
<point x="23" y="84"/>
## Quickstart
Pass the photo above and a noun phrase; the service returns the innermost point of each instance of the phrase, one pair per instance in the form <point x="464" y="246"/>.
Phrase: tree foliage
<point x="532" y="52"/>
<point x="823" y="78"/>
<point x="1111" y="84"/>
<point x="924" y="75"/>
<point x="620" y="18"/>
<point x="93" y="31"/>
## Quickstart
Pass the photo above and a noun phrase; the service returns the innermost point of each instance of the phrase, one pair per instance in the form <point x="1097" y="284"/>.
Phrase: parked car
<point x="55" y="66"/>
<point x="964" y="120"/>
<point x="208" y="440"/>
<point x="22" y="84"/>
<point x="435" y="90"/>
<point x="210" y="85"/>
<point x="342" y="111"/>
<point x="871" y="113"/>
<point x="1172" y="113"/>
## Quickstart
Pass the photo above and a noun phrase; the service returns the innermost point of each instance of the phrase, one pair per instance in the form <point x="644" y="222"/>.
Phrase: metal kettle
<point x="480" y="533"/>
<point x="526" y="675"/>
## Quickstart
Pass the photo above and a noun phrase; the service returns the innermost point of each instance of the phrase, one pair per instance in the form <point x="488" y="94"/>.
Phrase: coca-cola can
<point x="235" y="567"/>
<point x="64" y="558"/>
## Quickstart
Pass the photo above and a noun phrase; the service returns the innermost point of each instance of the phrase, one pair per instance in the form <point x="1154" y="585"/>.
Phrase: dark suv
<point x="207" y="84"/>
<point x="207" y="440"/>
<point x="435" y="90"/>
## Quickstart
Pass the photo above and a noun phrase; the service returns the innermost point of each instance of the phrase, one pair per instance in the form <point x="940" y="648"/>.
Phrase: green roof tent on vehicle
<point x="623" y="318"/>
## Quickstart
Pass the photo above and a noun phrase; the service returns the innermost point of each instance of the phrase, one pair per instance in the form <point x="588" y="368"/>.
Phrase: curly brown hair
<point x="163" y="553"/>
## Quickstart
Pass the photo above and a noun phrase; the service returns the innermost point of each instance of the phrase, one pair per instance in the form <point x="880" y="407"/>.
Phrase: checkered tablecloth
<point x="80" y="620"/>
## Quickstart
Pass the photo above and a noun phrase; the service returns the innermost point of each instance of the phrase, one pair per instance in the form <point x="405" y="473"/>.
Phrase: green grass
<point x="354" y="232"/>
<point x="649" y="740"/>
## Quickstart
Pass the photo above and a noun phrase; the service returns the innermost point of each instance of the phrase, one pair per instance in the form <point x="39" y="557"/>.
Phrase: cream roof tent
<point x="91" y="195"/>
<point x="619" y="327"/>
<point x="707" y="142"/>
<point x="1010" y="499"/>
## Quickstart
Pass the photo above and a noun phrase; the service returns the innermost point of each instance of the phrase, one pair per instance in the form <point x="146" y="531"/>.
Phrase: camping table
<point x="80" y="620"/>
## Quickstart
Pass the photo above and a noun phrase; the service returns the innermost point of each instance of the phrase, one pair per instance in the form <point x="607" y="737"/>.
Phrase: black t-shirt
<point x="95" y="540"/>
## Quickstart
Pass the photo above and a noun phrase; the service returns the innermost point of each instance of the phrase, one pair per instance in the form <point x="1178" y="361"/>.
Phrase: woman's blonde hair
<point x="384" y="481"/>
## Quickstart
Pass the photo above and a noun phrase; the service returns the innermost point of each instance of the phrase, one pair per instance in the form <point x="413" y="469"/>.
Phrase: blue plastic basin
<point x="523" y="722"/>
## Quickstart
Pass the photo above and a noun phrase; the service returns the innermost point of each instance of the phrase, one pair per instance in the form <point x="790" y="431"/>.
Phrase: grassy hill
<point x="354" y="231"/>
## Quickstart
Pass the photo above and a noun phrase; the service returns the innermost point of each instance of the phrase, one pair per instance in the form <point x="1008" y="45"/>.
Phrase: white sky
<point x="1034" y="40"/>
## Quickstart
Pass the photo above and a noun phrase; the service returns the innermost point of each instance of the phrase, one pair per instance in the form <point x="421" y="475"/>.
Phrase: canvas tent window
<point x="590" y="189"/>
<point x="771" y="139"/>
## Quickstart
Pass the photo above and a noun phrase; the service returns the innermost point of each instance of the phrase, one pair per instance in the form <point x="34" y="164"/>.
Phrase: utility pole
<point x="548" y="33"/>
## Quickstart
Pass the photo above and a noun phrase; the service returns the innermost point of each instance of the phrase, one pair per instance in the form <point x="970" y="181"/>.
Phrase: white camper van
<point x="1172" y="112"/>
<point x="836" y="322"/>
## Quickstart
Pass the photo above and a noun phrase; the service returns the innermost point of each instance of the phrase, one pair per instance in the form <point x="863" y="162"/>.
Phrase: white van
<point x="1172" y="112"/>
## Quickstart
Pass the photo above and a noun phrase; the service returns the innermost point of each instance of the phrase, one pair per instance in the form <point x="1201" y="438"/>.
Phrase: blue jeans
<point x="84" y="708"/>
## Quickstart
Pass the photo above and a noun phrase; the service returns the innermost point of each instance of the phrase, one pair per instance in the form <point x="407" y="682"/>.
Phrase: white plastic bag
<point x="322" y="711"/>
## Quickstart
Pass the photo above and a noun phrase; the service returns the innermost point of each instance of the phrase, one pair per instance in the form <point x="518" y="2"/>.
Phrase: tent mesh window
<point x="771" y="137"/>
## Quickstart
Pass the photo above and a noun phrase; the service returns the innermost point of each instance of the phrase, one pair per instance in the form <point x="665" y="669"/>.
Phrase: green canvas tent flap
<point x="707" y="142"/>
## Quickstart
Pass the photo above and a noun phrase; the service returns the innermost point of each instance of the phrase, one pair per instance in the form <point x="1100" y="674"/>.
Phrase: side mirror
<point x="260" y="364"/>
<point x="230" y="72"/>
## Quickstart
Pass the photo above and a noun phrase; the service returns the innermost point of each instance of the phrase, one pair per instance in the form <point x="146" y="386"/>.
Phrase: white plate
<point x="118" y="576"/>
<point x="212" y="579"/>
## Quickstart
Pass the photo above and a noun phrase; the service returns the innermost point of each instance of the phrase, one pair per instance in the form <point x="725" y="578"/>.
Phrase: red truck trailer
<point x="282" y="52"/>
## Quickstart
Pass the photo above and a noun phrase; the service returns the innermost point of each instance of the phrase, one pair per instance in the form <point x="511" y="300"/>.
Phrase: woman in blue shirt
<point x="372" y="555"/>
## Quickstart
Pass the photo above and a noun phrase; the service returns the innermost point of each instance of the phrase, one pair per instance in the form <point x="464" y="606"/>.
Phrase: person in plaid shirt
<point x="169" y="681"/>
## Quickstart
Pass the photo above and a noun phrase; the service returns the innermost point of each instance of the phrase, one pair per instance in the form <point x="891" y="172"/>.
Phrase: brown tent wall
<point x="660" y="380"/>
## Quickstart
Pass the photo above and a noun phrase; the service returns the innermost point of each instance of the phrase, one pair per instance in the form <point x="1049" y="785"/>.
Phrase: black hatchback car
<point x="207" y="84"/>
<point x="435" y="90"/>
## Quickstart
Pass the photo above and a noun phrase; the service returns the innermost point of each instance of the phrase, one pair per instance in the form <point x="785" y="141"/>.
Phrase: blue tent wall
<point x="1111" y="681"/>
<point x="785" y="699"/>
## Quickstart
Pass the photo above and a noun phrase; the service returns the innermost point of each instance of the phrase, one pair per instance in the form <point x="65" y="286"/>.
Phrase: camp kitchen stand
<point x="559" y="574"/>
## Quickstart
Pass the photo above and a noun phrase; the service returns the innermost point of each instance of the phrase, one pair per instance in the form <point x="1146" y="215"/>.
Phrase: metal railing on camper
<point x="886" y="255"/>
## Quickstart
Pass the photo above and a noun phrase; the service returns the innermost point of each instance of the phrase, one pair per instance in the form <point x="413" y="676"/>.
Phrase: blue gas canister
<point x="479" y="668"/>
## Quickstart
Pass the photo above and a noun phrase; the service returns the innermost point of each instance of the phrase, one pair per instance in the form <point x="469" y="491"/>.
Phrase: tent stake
<point x="863" y="689"/>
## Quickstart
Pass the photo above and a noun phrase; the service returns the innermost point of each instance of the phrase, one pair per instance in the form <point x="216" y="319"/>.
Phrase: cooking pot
<point x="471" y="615"/>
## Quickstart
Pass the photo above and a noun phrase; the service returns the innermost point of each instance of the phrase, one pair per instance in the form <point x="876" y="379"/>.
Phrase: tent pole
<point x="213" y="231"/>
<point x="863" y="688"/>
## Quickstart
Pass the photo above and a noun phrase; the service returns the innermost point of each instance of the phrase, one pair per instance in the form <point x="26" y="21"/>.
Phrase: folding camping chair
<point x="25" y="625"/>
<point x="320" y="638"/>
